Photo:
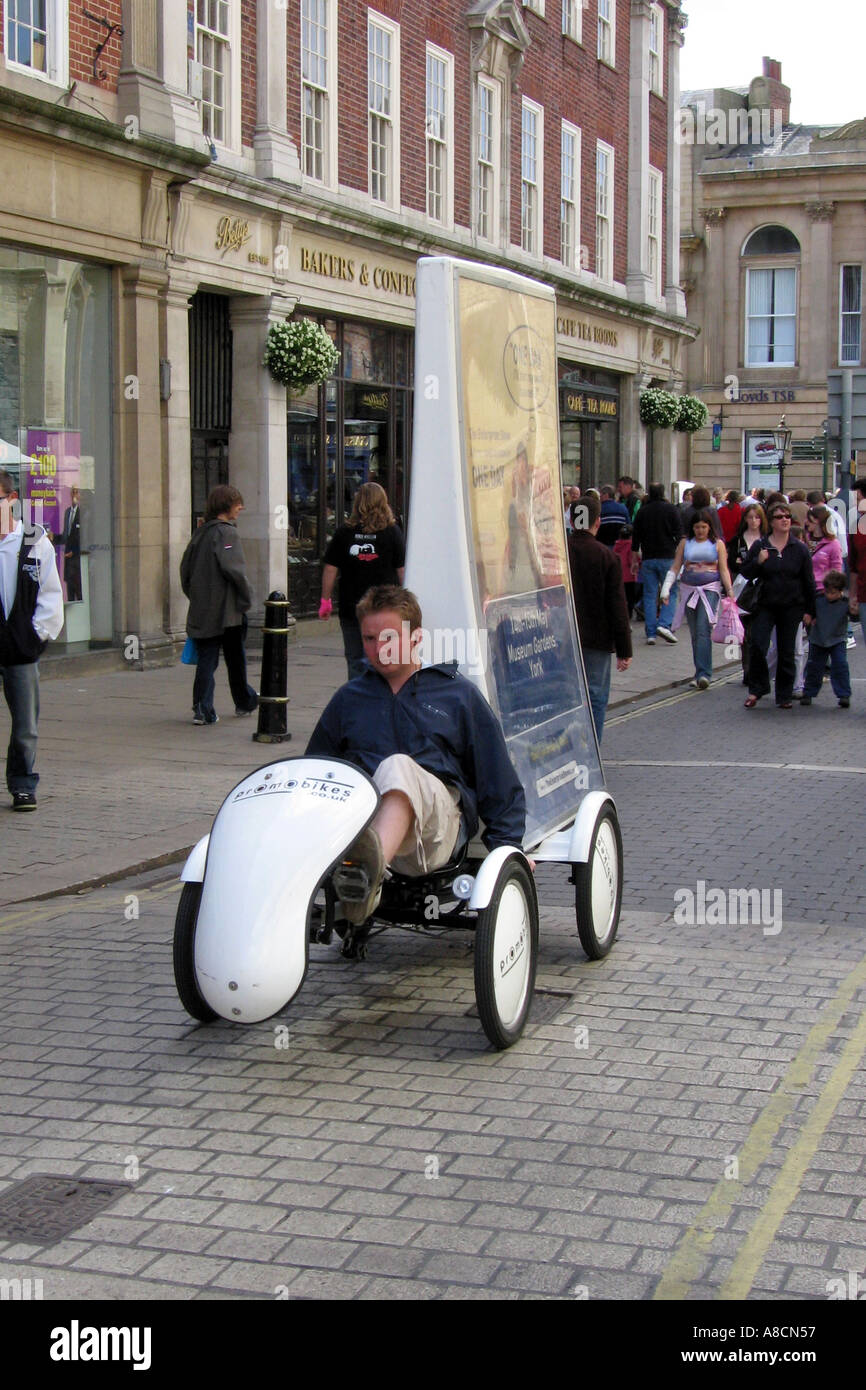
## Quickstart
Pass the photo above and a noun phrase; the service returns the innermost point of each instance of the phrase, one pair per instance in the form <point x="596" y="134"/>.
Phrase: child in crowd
<point x="828" y="639"/>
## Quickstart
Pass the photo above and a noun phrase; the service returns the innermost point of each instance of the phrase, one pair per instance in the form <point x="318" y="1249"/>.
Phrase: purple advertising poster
<point x="52" y="470"/>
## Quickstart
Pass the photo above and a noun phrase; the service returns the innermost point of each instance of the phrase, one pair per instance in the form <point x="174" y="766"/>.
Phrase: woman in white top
<point x="704" y="563"/>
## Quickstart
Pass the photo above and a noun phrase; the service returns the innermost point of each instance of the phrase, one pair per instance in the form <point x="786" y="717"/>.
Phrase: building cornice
<point x="32" y="115"/>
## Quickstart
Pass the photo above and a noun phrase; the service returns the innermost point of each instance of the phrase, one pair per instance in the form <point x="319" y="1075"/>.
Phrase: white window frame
<point x="607" y="33"/>
<point x="777" y="269"/>
<point x="571" y="260"/>
<point x="657" y="55"/>
<point x="56" y="45"/>
<point x="655" y="229"/>
<point x="604" y="251"/>
<point x="444" y="139"/>
<point x="375" y="20"/>
<point x="572" y="19"/>
<point x="494" y="164"/>
<point x="537" y="7"/>
<point x="328" y="93"/>
<point x="232" y="108"/>
<point x="852" y="361"/>
<point x="536" y="224"/>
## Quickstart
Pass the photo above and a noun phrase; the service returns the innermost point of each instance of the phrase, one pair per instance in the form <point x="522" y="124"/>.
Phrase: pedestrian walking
<point x="730" y="514"/>
<point x="614" y="516"/>
<point x="857" y="559"/>
<point x="31" y="615"/>
<point x="786" y="596"/>
<point x="828" y="640"/>
<point x="752" y="527"/>
<point x="213" y="576"/>
<point x="600" y="605"/>
<point x="701" y="562"/>
<point x="656" y="534"/>
<point x="366" y="552"/>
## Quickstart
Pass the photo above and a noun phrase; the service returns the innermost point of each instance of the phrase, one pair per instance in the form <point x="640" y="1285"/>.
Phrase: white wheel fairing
<point x="511" y="953"/>
<point x="604" y="880"/>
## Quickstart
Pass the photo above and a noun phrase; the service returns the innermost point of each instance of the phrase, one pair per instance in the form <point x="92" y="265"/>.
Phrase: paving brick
<point x="391" y="1260"/>
<point x="461" y="1269"/>
<point x="182" y="1268"/>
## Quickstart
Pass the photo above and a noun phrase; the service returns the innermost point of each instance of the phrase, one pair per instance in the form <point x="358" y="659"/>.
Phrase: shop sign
<point x="596" y="407"/>
<point x="375" y="400"/>
<point x="369" y="275"/>
<point x="587" y="331"/>
<point x="232" y="234"/>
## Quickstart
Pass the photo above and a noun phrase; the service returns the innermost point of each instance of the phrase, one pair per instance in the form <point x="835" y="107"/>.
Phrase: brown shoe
<point x="358" y="879"/>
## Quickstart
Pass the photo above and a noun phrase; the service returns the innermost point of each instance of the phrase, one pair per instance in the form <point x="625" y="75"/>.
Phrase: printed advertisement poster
<point x="51" y="479"/>
<point x="511" y="441"/>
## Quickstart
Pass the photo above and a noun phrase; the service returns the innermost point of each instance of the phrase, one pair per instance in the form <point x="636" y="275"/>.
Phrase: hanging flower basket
<point x="658" y="409"/>
<point x="693" y="415"/>
<point x="299" y="354"/>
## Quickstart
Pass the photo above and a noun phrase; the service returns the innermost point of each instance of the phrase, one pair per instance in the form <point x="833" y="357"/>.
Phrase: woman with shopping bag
<point x="705" y="575"/>
<point x="787" y="598"/>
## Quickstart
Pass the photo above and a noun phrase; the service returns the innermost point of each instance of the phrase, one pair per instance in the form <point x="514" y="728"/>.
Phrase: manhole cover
<point x="42" y="1210"/>
<point x="546" y="1004"/>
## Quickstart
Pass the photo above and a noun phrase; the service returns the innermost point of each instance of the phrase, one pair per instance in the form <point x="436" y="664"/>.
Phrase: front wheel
<point x="598" y="886"/>
<point x="506" y="954"/>
<point x="184" y="954"/>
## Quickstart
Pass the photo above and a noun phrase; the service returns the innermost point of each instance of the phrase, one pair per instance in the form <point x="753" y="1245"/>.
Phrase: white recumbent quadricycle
<point x="487" y="558"/>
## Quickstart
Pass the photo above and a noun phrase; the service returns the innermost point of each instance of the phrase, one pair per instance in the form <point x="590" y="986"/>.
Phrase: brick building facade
<point x="225" y="164"/>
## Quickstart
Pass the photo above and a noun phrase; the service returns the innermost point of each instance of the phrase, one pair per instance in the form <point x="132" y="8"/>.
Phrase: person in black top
<point x="366" y="552"/>
<point x="786" y="599"/>
<point x="655" y="538"/>
<point x="600" y="608"/>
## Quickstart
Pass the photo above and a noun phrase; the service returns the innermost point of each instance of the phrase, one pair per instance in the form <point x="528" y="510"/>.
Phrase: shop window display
<point x="55" y="422"/>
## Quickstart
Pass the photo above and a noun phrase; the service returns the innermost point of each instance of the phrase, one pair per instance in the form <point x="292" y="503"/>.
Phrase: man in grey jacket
<point x="214" y="578"/>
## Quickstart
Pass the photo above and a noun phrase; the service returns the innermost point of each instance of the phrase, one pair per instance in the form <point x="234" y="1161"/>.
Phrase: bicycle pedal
<point x="352" y="883"/>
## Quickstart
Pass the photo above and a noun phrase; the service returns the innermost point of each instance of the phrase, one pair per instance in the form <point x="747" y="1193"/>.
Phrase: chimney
<point x="769" y="93"/>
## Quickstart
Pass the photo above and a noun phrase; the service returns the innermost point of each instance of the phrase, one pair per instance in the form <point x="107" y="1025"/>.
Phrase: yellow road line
<point x="687" y="1260"/>
<point x="787" y="1185"/>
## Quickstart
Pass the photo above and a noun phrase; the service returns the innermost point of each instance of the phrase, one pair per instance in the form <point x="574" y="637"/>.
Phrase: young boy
<point x="828" y="638"/>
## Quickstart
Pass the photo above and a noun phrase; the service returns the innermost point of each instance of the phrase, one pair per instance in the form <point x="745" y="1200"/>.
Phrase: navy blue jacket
<point x="439" y="719"/>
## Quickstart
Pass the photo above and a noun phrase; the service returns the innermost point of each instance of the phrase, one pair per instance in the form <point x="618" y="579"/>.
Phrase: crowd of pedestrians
<point x="782" y="570"/>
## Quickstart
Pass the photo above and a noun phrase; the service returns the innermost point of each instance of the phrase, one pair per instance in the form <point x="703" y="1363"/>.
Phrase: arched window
<point x="771" y="241"/>
<point x="771" y="299"/>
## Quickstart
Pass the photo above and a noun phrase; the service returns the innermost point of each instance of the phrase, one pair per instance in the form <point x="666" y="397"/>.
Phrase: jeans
<point x="598" y="680"/>
<point x="652" y="573"/>
<point x="785" y="621"/>
<point x="232" y="643"/>
<point x="353" y="647"/>
<point x="21" y="688"/>
<point x="702" y="637"/>
<point x="840" y="679"/>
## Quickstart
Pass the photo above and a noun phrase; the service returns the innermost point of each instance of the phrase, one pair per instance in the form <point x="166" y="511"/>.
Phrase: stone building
<point x="773" y="245"/>
<point x="178" y="176"/>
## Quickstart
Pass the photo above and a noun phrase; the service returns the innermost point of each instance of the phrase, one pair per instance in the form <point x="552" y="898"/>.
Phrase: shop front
<point x="56" y="422"/>
<point x="357" y="428"/>
<point x="598" y="357"/>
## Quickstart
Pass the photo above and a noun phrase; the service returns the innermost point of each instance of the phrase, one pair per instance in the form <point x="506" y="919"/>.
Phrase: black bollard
<point x="273" y="698"/>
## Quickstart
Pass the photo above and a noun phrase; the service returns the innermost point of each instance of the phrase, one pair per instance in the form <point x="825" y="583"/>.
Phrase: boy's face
<point x="832" y="595"/>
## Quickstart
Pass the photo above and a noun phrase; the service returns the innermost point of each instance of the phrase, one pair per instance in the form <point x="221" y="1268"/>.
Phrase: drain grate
<point x="546" y="1004"/>
<point x="41" y="1210"/>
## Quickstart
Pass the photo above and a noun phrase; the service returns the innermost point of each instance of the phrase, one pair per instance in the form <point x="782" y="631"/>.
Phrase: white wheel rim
<point x="512" y="947"/>
<point x="604" y="881"/>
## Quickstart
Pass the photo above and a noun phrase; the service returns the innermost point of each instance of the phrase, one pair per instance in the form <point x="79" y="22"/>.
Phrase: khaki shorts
<point x="431" y="839"/>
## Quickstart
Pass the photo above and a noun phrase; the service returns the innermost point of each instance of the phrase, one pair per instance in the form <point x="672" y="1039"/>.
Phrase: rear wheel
<point x="598" y="886"/>
<point x="184" y="954"/>
<point x="506" y="954"/>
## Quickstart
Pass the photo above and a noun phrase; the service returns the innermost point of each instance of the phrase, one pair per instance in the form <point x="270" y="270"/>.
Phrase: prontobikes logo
<point x="527" y="368"/>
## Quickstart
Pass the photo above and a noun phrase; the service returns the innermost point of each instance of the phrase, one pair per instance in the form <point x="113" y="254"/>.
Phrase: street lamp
<point x="782" y="441"/>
